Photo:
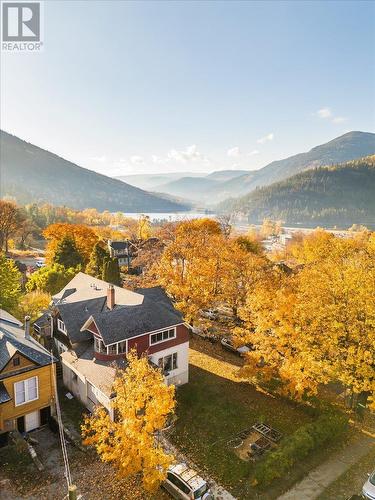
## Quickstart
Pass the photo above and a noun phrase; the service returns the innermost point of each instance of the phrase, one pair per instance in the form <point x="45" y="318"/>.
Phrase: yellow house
<point x="26" y="378"/>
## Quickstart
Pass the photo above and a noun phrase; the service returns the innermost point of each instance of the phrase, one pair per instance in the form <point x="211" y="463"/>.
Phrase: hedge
<point x="327" y="428"/>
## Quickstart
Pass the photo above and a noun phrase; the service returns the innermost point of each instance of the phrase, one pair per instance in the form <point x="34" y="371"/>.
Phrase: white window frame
<point x="25" y="383"/>
<point x="163" y="340"/>
<point x="61" y="326"/>
<point x="172" y="355"/>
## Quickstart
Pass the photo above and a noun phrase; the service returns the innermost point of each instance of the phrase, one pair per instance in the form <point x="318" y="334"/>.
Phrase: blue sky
<point x="133" y="87"/>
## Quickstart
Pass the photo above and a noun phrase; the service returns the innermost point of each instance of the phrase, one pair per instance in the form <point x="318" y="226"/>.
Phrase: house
<point x="122" y="251"/>
<point x="96" y="324"/>
<point x="27" y="396"/>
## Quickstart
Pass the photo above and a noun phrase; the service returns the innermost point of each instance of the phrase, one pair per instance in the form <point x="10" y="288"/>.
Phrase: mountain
<point x="347" y="147"/>
<point x="226" y="175"/>
<point x="339" y="195"/>
<point x="31" y="174"/>
<point x="192" y="188"/>
<point x="152" y="181"/>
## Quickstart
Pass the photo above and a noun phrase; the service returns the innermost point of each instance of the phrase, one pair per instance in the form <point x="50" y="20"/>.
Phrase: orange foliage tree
<point x="84" y="237"/>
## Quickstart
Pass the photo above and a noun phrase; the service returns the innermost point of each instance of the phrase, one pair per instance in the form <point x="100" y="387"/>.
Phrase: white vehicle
<point x="40" y="263"/>
<point x="368" y="490"/>
<point x="183" y="483"/>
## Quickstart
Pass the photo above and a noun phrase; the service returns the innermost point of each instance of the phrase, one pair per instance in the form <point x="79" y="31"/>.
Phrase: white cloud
<point x="234" y="152"/>
<point x="191" y="153"/>
<point x="158" y="160"/>
<point x="339" y="119"/>
<point x="137" y="160"/>
<point x="327" y="114"/>
<point x="254" y="152"/>
<point x="266" y="138"/>
<point x="324" y="113"/>
<point x="99" y="159"/>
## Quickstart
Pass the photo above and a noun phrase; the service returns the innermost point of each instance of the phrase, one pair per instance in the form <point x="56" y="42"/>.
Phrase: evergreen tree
<point x="10" y="283"/>
<point x="96" y="262"/>
<point x="67" y="253"/>
<point x="111" y="272"/>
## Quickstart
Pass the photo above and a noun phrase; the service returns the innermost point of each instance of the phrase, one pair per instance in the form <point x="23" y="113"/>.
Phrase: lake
<point x="170" y="216"/>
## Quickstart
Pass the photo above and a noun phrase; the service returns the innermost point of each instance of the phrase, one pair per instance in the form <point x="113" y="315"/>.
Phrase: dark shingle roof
<point x="12" y="339"/>
<point x="119" y="245"/>
<point x="125" y="322"/>
<point x="158" y="295"/>
<point x="4" y="396"/>
<point x="75" y="314"/>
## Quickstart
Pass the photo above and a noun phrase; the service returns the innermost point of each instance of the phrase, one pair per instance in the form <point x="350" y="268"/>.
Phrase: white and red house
<point x="94" y="326"/>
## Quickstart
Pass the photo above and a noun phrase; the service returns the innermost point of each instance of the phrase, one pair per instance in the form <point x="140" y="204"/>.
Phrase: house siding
<point x="9" y="411"/>
<point x="142" y="343"/>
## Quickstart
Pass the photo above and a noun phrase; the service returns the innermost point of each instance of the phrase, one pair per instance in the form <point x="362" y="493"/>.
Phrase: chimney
<point x="111" y="297"/>
<point x="27" y="327"/>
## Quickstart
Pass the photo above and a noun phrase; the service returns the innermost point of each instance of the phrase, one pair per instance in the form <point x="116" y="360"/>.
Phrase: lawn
<point x="213" y="407"/>
<point x="352" y="480"/>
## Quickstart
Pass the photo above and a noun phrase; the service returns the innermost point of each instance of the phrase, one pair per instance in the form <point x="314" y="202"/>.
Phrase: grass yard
<point x="352" y="480"/>
<point x="213" y="407"/>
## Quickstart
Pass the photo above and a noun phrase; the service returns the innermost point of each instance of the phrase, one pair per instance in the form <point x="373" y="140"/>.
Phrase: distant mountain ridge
<point x="349" y="146"/>
<point x="194" y="186"/>
<point x="217" y="186"/>
<point x="31" y="174"/>
<point x="340" y="195"/>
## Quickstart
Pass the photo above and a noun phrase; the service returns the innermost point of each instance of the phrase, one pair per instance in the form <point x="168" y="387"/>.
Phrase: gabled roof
<point x="130" y="321"/>
<point x="75" y="314"/>
<point x="12" y="340"/>
<point x="119" y="245"/>
<point x="134" y="313"/>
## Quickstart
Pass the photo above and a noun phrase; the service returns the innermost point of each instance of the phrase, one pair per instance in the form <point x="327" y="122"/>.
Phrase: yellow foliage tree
<point x="317" y="325"/>
<point x="33" y="304"/>
<point x="142" y="405"/>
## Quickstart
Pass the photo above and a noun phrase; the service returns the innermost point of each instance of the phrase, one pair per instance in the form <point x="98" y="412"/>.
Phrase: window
<point x="112" y="349"/>
<point x="26" y="390"/>
<point x="99" y="346"/>
<point x="16" y="361"/>
<point x="178" y="483"/>
<point x="155" y="338"/>
<point x="61" y="326"/>
<point x="121" y="347"/>
<point x="168" y="363"/>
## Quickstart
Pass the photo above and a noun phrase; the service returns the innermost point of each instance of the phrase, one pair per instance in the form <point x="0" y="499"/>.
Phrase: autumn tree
<point x="11" y="219"/>
<point x="67" y="254"/>
<point x="10" y="283"/>
<point x="144" y="227"/>
<point x="84" y="237"/>
<point x="142" y="406"/>
<point x="50" y="279"/>
<point x="33" y="304"/>
<point x="270" y="228"/>
<point x="317" y="324"/>
<point x="98" y="255"/>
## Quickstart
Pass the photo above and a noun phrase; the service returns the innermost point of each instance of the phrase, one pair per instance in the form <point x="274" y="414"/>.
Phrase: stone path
<point x="320" y="478"/>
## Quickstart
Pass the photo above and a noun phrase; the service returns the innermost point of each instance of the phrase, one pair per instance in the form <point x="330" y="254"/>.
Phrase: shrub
<point x="325" y="429"/>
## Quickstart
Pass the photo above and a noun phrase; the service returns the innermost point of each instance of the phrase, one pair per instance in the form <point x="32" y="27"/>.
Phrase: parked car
<point x="184" y="483"/>
<point x="368" y="490"/>
<point x="40" y="263"/>
<point x="227" y="344"/>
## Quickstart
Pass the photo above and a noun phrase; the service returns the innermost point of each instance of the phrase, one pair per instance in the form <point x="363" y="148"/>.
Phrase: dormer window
<point x="99" y="346"/>
<point x="61" y="326"/>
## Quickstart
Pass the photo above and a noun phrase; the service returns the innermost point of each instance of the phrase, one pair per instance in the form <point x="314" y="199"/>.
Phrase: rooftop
<point x="12" y="340"/>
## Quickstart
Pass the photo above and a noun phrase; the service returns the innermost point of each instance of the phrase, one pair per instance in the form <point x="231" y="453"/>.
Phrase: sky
<point x="143" y="87"/>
